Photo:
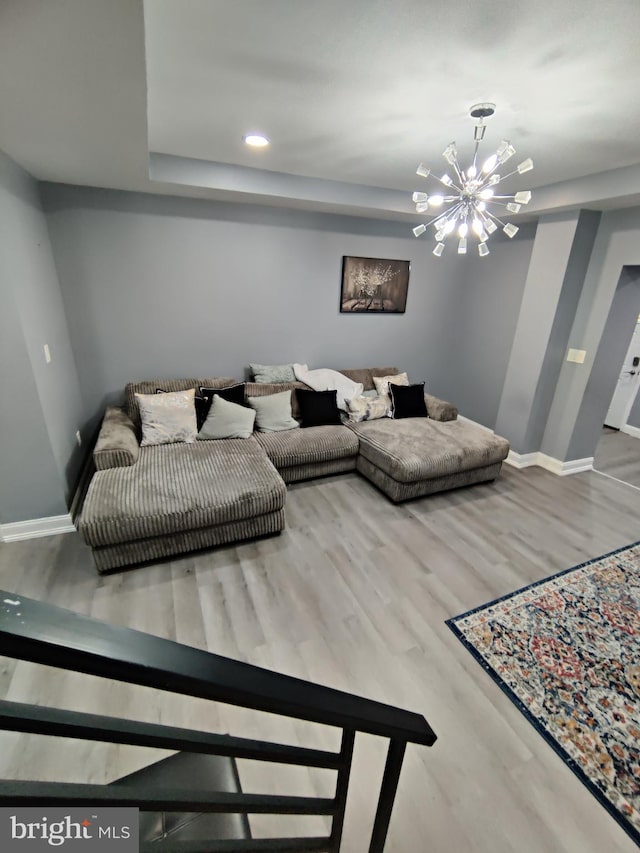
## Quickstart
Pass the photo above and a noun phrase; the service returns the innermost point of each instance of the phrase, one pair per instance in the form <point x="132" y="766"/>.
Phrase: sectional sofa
<point x="149" y="502"/>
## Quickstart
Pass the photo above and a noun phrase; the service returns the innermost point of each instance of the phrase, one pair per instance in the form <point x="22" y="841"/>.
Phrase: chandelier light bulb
<point x="469" y="201"/>
<point x="450" y="154"/>
<point x="490" y="164"/>
<point x="525" y="166"/>
<point x="504" y="153"/>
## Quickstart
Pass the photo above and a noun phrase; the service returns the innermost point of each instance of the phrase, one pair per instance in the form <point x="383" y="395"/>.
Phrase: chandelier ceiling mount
<point x="472" y="203"/>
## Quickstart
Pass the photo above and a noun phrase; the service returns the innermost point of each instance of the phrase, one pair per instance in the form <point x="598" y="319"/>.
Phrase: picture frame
<point x="374" y="285"/>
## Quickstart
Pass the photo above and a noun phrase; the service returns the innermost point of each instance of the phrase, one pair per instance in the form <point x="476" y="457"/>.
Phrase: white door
<point x="627" y="385"/>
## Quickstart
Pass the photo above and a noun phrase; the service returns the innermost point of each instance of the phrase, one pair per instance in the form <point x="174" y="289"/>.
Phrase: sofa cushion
<point x="314" y="444"/>
<point x="273" y="413"/>
<point x="168" y="418"/>
<point x="407" y="401"/>
<point x="365" y="375"/>
<point x="421" y="449"/>
<point x="227" y="420"/>
<point x="318" y="408"/>
<point x="368" y="408"/>
<point x="257" y="389"/>
<point x="180" y="487"/>
<point x="382" y="382"/>
<point x="272" y="374"/>
<point x="167" y="385"/>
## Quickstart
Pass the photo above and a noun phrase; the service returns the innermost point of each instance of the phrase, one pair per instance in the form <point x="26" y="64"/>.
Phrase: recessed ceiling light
<point x="256" y="140"/>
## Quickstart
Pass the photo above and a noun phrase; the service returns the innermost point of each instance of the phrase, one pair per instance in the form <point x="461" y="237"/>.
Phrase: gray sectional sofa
<point x="149" y="502"/>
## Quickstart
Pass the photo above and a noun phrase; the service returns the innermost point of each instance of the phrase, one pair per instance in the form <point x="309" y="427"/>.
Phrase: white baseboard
<point x="563" y="469"/>
<point x="556" y="466"/>
<point x="631" y="430"/>
<point x="36" y="527"/>
<point x="521" y="460"/>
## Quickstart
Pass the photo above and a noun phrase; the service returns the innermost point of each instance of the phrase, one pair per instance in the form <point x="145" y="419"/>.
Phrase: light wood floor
<point x="354" y="594"/>
<point x="618" y="455"/>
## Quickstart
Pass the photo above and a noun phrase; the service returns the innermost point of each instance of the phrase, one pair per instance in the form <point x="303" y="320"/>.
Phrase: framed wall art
<point x="374" y="286"/>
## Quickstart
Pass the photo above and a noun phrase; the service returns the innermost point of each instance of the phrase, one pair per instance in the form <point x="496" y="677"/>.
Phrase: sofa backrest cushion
<point x="365" y="375"/>
<point x="265" y="389"/>
<point x="152" y="385"/>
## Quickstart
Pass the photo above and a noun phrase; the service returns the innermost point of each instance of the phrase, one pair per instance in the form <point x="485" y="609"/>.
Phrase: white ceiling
<point x="352" y="93"/>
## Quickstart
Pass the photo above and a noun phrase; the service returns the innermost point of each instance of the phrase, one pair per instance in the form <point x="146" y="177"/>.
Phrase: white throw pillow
<point x="324" y="379"/>
<point x="168" y="418"/>
<point x="382" y="382"/>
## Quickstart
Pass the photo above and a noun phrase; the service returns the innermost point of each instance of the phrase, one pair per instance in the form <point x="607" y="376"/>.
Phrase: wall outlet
<point x="47" y="353"/>
<point x="78" y="438"/>
<point x="577" y="355"/>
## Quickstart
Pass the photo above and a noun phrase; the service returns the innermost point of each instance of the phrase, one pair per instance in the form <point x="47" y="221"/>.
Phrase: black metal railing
<point x="34" y="631"/>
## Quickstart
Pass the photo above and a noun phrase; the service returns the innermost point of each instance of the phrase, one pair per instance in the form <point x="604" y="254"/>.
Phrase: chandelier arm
<point x="494" y="217"/>
<point x="456" y="166"/>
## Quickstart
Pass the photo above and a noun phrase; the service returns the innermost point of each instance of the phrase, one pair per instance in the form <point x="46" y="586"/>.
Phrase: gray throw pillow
<point x="272" y="374"/>
<point x="227" y="420"/>
<point x="273" y="412"/>
<point x="167" y="418"/>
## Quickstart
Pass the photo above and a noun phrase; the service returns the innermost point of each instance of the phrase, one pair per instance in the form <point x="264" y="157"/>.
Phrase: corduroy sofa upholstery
<point x="145" y="503"/>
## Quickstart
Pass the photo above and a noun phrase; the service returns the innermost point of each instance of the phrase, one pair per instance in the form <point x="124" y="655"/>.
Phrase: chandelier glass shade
<point x="470" y="205"/>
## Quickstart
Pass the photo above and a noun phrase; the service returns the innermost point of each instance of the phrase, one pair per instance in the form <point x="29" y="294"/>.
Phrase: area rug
<point x="566" y="650"/>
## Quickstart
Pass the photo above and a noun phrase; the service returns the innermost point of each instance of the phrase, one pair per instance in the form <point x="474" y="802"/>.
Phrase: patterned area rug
<point x="566" y="650"/>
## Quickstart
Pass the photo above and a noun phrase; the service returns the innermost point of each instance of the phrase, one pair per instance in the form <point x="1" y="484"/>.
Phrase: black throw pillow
<point x="318" y="408"/>
<point x="233" y="394"/>
<point x="407" y="401"/>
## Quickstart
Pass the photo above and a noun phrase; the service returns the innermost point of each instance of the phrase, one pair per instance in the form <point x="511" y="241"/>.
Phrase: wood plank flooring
<point x="353" y="594"/>
<point x="618" y="455"/>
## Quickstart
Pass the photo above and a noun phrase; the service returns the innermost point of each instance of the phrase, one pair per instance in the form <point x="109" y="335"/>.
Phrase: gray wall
<point x="569" y="432"/>
<point x="41" y="402"/>
<point x="158" y="286"/>
<point x="481" y="327"/>
<point x="610" y="355"/>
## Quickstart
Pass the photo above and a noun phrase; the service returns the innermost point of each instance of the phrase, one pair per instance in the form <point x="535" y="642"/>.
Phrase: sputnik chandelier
<point x="472" y="193"/>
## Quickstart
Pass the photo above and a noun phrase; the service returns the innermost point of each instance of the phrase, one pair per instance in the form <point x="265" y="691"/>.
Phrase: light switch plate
<point x="47" y="353"/>
<point x="576" y="355"/>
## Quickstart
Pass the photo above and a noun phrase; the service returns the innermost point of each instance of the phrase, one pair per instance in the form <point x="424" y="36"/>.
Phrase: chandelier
<point x="472" y="202"/>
